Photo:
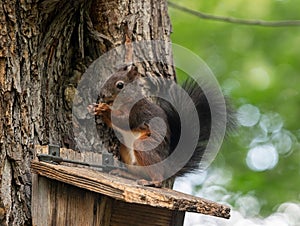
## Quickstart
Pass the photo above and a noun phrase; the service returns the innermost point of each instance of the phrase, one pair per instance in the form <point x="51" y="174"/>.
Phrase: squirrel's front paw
<point x="98" y="109"/>
<point x="102" y="107"/>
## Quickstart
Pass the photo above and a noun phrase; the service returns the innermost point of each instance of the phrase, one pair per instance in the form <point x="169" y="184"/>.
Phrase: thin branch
<point x="281" y="23"/>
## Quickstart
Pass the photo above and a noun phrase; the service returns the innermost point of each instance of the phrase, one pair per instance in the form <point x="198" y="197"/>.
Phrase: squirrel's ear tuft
<point x="133" y="72"/>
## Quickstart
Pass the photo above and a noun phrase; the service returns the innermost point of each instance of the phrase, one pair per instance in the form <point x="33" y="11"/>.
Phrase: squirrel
<point x="149" y="128"/>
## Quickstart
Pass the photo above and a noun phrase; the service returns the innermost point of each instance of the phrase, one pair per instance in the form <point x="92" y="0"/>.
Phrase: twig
<point x="280" y="23"/>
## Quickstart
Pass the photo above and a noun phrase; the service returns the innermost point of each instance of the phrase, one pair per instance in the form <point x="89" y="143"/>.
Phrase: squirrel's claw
<point x="91" y="108"/>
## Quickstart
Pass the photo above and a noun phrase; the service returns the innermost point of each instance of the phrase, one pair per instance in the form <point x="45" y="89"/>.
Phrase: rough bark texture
<point x="45" y="46"/>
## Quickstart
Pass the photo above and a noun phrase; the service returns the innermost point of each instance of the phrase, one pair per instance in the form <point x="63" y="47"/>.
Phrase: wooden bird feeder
<point x="69" y="195"/>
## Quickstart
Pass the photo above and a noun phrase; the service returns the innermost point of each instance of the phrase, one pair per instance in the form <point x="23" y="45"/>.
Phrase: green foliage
<point x="256" y="65"/>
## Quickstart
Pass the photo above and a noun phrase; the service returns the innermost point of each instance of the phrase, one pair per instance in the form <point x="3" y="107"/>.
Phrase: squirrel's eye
<point x="120" y="84"/>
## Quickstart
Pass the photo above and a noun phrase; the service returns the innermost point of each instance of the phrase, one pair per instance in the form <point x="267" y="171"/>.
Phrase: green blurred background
<point x="258" y="67"/>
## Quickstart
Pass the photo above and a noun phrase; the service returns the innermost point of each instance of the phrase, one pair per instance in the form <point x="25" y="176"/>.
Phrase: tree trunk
<point x="45" y="47"/>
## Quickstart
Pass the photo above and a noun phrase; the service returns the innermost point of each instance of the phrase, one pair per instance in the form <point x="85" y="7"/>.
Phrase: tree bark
<point x="45" y="47"/>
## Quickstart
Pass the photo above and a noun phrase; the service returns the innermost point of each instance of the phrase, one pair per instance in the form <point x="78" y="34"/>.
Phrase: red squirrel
<point x="144" y="143"/>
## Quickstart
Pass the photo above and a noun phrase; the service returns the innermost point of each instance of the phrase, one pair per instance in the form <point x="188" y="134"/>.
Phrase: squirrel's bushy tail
<point x="204" y="112"/>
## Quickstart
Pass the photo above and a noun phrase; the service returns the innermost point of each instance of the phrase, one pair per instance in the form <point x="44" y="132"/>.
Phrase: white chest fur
<point x="128" y="139"/>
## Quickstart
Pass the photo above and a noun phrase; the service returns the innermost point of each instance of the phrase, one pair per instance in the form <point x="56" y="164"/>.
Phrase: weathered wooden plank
<point x="128" y="191"/>
<point x="103" y="215"/>
<point x="124" y="214"/>
<point x="58" y="203"/>
<point x="177" y="218"/>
